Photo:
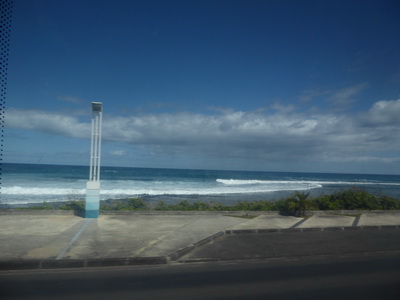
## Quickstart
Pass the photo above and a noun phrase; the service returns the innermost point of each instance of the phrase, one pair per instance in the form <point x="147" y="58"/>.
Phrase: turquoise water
<point x="28" y="183"/>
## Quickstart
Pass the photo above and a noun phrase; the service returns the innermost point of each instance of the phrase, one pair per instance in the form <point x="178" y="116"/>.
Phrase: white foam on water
<point x="18" y="190"/>
<point x="63" y="191"/>
<point x="289" y="182"/>
<point x="154" y="188"/>
<point x="220" y="186"/>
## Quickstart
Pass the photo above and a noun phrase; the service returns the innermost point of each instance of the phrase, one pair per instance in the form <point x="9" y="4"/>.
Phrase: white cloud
<point x="46" y="122"/>
<point x="384" y="112"/>
<point x="71" y="99"/>
<point x="347" y="95"/>
<point x="312" y="94"/>
<point x="118" y="152"/>
<point x="285" y="135"/>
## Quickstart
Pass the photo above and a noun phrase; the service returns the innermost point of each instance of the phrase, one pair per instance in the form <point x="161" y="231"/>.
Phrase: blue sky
<point x="250" y="85"/>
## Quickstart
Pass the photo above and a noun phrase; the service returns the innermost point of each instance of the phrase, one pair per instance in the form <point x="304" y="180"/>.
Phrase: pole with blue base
<point x="92" y="203"/>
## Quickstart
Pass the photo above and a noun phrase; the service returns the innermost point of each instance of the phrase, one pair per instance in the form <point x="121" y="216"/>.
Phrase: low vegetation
<point x="296" y="205"/>
<point x="78" y="206"/>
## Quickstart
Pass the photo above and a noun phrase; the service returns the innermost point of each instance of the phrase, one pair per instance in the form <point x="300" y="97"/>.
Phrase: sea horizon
<point x="200" y="169"/>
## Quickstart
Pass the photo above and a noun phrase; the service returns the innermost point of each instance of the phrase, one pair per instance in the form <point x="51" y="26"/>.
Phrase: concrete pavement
<point x="33" y="236"/>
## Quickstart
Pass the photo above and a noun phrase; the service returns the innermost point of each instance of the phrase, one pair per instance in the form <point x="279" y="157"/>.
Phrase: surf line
<point x="73" y="240"/>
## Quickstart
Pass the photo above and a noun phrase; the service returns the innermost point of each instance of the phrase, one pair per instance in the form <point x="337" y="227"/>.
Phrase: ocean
<point x="31" y="183"/>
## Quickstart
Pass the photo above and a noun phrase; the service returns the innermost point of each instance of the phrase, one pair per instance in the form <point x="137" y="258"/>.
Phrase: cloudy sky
<point x="308" y="86"/>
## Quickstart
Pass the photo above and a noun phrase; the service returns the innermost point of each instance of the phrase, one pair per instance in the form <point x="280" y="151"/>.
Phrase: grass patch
<point x="39" y="206"/>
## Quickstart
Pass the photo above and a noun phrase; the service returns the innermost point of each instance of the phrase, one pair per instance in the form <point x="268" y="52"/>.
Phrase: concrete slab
<point x="35" y="237"/>
<point x="145" y="235"/>
<point x="268" y="222"/>
<point x="191" y="233"/>
<point x="379" y="219"/>
<point x="327" y="221"/>
<point x="36" y="224"/>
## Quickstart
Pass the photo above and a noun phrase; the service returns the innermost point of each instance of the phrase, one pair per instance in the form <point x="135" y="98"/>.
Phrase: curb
<point x="181" y="252"/>
<point x="264" y="257"/>
<point x="36" y="212"/>
<point x="81" y="263"/>
<point x="337" y="228"/>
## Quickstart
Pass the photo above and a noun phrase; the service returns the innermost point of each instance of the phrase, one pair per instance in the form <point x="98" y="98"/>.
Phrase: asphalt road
<point x="374" y="275"/>
<point x="293" y="244"/>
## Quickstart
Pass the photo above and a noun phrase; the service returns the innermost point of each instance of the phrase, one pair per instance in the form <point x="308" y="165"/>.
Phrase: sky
<point x="301" y="86"/>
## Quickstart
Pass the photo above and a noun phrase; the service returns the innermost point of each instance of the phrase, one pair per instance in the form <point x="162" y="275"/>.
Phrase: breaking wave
<point x="299" y="182"/>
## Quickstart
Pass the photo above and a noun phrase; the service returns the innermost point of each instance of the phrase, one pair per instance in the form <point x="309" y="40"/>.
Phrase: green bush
<point x="221" y="207"/>
<point x="183" y="205"/>
<point x="387" y="202"/>
<point x="201" y="206"/>
<point x="161" y="205"/>
<point x="326" y="202"/>
<point x="355" y="198"/>
<point x="75" y="205"/>
<point x="43" y="205"/>
<point x="254" y="205"/>
<point x="279" y="205"/>
<point x="136" y="204"/>
<point x="297" y="204"/>
<point x="128" y="204"/>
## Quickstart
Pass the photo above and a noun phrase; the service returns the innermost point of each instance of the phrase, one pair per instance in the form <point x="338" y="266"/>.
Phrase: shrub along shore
<point x="297" y="204"/>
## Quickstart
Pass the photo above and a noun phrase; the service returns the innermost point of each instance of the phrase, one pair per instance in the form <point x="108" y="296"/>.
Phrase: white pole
<point x="95" y="151"/>
<point x="91" y="151"/>
<point x="99" y="145"/>
<point x="95" y="147"/>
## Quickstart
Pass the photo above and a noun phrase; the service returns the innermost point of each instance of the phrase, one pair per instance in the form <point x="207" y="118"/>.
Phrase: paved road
<point x="295" y="243"/>
<point x="368" y="276"/>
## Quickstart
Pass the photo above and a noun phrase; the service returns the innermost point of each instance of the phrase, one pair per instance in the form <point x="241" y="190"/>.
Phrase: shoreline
<point x="297" y="202"/>
<point x="225" y="199"/>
